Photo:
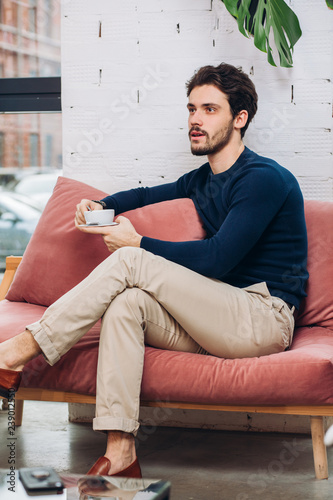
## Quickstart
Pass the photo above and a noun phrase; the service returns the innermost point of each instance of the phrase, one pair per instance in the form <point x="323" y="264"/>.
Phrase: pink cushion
<point x="59" y="256"/>
<point x="302" y="375"/>
<point x="14" y="316"/>
<point x="317" y="308"/>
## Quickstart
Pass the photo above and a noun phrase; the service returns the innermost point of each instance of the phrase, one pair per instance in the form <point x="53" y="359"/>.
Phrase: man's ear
<point x="241" y="119"/>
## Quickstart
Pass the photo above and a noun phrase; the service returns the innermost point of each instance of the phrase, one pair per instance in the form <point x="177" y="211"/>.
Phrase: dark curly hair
<point x="234" y="83"/>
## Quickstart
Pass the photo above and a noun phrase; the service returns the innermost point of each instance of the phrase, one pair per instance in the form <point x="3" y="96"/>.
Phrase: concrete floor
<point x="201" y="464"/>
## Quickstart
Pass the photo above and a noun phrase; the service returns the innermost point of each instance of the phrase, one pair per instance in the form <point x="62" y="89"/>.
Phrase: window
<point x="48" y="154"/>
<point x="2" y="149"/>
<point x="30" y="38"/>
<point x="34" y="150"/>
<point x="19" y="148"/>
<point x="48" y="13"/>
<point x="32" y="16"/>
<point x="30" y="98"/>
<point x="30" y="109"/>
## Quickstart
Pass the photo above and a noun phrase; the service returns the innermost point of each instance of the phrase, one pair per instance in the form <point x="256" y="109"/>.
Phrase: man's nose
<point x="195" y="118"/>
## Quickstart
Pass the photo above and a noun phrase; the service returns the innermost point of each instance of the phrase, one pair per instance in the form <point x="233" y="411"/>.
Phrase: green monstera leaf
<point x="264" y="18"/>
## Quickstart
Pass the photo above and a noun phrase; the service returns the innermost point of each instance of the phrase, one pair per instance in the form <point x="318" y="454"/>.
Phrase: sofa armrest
<point x="12" y="264"/>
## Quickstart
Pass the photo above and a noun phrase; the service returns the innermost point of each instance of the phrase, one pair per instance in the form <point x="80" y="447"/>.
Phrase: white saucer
<point x="99" y="225"/>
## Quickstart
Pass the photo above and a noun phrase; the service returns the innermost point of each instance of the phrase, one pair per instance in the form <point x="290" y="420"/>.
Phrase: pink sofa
<point x="297" y="381"/>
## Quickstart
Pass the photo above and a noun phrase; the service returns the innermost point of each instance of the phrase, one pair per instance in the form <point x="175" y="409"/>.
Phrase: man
<point x="233" y="294"/>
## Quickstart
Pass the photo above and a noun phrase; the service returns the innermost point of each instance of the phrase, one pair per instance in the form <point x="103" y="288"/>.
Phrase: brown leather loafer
<point x="103" y="465"/>
<point x="9" y="382"/>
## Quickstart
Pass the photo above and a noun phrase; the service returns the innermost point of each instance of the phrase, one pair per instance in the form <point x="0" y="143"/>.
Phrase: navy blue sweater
<point x="253" y="215"/>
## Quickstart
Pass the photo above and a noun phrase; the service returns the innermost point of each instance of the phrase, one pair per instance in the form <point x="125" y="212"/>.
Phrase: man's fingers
<point x="93" y="229"/>
<point x="80" y="218"/>
<point x="83" y="207"/>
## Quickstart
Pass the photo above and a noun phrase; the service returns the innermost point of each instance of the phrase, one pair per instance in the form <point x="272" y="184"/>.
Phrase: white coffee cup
<point x="99" y="216"/>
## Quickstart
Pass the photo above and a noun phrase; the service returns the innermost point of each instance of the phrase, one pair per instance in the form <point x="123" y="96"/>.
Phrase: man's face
<point x="210" y="120"/>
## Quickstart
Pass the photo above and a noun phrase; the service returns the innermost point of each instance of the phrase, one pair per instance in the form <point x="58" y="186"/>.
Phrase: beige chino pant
<point x="145" y="299"/>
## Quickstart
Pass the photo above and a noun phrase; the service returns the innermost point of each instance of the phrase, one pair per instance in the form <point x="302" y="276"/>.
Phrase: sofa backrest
<point x="317" y="308"/>
<point x="59" y="256"/>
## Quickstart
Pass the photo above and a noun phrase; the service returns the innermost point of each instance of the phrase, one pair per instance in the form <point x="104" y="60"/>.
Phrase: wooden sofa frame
<point x="316" y="413"/>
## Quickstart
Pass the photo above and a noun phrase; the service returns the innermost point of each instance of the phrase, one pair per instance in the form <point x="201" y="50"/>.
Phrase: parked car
<point x="18" y="219"/>
<point x="36" y="186"/>
<point x="11" y="175"/>
<point x="7" y="175"/>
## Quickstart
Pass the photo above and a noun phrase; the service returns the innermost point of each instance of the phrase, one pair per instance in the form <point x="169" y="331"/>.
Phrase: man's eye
<point x="191" y="110"/>
<point x="210" y="110"/>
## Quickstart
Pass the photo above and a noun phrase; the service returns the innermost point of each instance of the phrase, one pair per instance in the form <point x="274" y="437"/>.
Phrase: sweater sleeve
<point x="253" y="201"/>
<point x="139" y="197"/>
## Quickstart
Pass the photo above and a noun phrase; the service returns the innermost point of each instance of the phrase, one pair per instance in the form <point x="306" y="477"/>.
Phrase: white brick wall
<point x="124" y="66"/>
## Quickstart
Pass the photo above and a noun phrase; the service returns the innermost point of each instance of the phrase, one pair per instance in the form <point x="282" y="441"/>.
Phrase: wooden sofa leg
<point x="319" y="448"/>
<point x="18" y="411"/>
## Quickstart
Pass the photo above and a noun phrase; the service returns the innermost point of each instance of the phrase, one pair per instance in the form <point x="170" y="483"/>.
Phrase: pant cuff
<point x="49" y="352"/>
<point x="115" y="424"/>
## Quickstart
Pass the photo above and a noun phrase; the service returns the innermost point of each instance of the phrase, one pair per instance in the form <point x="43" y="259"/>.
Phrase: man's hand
<point x="83" y="207"/>
<point x="122" y="235"/>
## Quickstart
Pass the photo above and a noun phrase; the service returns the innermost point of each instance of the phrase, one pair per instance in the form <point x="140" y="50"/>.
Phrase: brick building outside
<point x="30" y="47"/>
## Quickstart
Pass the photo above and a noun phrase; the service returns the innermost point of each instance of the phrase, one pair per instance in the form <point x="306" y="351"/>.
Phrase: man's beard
<point x="214" y="144"/>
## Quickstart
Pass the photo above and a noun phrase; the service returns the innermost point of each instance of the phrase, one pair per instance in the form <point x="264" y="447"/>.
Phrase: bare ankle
<point x="17" y="351"/>
<point x="120" y="450"/>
